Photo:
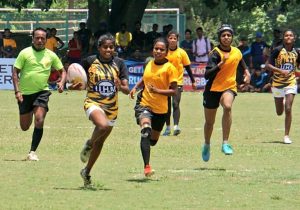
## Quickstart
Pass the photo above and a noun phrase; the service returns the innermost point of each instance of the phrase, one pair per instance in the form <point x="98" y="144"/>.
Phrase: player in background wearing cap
<point x="221" y="87"/>
<point x="284" y="61"/>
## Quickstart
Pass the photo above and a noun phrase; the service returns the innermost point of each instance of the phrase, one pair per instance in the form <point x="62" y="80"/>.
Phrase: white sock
<point x="176" y="127"/>
<point x="225" y="141"/>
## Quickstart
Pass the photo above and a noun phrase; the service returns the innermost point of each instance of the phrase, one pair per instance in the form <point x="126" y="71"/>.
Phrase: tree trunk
<point x="98" y="12"/>
<point x="71" y="4"/>
<point x="127" y="11"/>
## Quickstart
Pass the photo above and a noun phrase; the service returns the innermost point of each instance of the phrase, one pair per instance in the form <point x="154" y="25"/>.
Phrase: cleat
<point x="206" y="152"/>
<point x="32" y="156"/>
<point x="86" y="178"/>
<point x="148" y="171"/>
<point x="85" y="153"/>
<point x="167" y="132"/>
<point x="227" y="149"/>
<point x="287" y="140"/>
<point x="177" y="132"/>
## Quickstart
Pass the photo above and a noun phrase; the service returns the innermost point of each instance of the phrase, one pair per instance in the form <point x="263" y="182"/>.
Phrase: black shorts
<point x="157" y="120"/>
<point x="211" y="99"/>
<point x="34" y="100"/>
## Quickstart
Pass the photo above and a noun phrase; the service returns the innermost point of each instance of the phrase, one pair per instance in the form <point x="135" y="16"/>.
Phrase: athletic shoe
<point x="32" y="156"/>
<point x="148" y="171"/>
<point x="86" y="178"/>
<point x="287" y="140"/>
<point x="167" y="132"/>
<point x="85" y="152"/>
<point x="206" y="152"/>
<point x="227" y="149"/>
<point x="177" y="132"/>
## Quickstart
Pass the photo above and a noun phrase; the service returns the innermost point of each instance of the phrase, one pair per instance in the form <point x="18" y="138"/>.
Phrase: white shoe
<point x="32" y="156"/>
<point x="287" y="140"/>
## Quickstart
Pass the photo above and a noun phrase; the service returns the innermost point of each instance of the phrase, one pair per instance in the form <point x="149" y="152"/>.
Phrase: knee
<point x="288" y="110"/>
<point x="226" y="108"/>
<point x="175" y="104"/>
<point x="209" y="124"/>
<point x="25" y="127"/>
<point x="103" y="127"/>
<point x="39" y="122"/>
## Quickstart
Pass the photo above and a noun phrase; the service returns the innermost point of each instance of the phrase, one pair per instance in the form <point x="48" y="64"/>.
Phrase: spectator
<point x="201" y="47"/>
<point x="84" y="35"/>
<point x="245" y="50"/>
<point x="277" y="39"/>
<point x="54" y="78"/>
<point x="258" y="80"/>
<point x="51" y="43"/>
<point x="61" y="44"/>
<point x="151" y="36"/>
<point x="257" y="49"/>
<point x="138" y="37"/>
<point x="123" y="40"/>
<point x="9" y="45"/>
<point x="1" y="44"/>
<point x="74" y="46"/>
<point x="187" y="44"/>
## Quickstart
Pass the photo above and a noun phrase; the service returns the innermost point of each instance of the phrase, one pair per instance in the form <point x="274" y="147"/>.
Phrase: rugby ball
<point x="76" y="74"/>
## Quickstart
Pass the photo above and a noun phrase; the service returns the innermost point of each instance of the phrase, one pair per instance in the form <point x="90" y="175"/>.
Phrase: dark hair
<point x="173" y="33"/>
<point x="163" y="40"/>
<point x="225" y="27"/>
<point x="104" y="38"/>
<point x="199" y="29"/>
<point x="287" y="31"/>
<point x="38" y="29"/>
<point x="187" y="30"/>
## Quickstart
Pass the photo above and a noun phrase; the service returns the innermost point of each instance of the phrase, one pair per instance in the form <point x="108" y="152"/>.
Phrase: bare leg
<point x="210" y="116"/>
<point x="100" y="134"/>
<point x="289" y="99"/>
<point x="279" y="106"/>
<point x="226" y="101"/>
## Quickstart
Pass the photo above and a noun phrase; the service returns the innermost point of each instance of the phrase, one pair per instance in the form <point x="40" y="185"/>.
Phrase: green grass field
<point x="262" y="173"/>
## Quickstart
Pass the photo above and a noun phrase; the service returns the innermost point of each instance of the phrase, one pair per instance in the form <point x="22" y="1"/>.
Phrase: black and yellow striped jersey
<point x="101" y="89"/>
<point x="284" y="60"/>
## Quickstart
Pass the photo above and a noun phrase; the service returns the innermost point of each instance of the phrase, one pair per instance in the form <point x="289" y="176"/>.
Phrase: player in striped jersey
<point x="284" y="61"/>
<point x="106" y="76"/>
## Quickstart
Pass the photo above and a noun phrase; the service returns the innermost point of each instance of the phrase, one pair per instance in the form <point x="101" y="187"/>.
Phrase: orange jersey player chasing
<point x="221" y="87"/>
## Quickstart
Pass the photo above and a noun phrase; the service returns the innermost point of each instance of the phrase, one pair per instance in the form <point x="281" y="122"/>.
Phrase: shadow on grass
<point x="14" y="160"/>
<point x="142" y="180"/>
<point x="93" y="188"/>
<point x="209" y="169"/>
<point x="272" y="142"/>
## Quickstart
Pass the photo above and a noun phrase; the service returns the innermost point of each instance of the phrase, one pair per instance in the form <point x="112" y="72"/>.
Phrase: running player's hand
<point x="60" y="87"/>
<point x="75" y="86"/>
<point x="226" y="56"/>
<point x="152" y="89"/>
<point x="247" y="77"/>
<point x="194" y="86"/>
<point x="284" y="72"/>
<point x="132" y="93"/>
<point x="19" y="97"/>
<point x="117" y="83"/>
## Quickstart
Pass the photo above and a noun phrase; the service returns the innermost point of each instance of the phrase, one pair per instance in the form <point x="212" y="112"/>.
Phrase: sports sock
<point x="36" y="138"/>
<point x="225" y="141"/>
<point x="145" y="149"/>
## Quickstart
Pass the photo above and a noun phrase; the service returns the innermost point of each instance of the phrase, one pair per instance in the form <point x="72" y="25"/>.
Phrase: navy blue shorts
<point x="39" y="99"/>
